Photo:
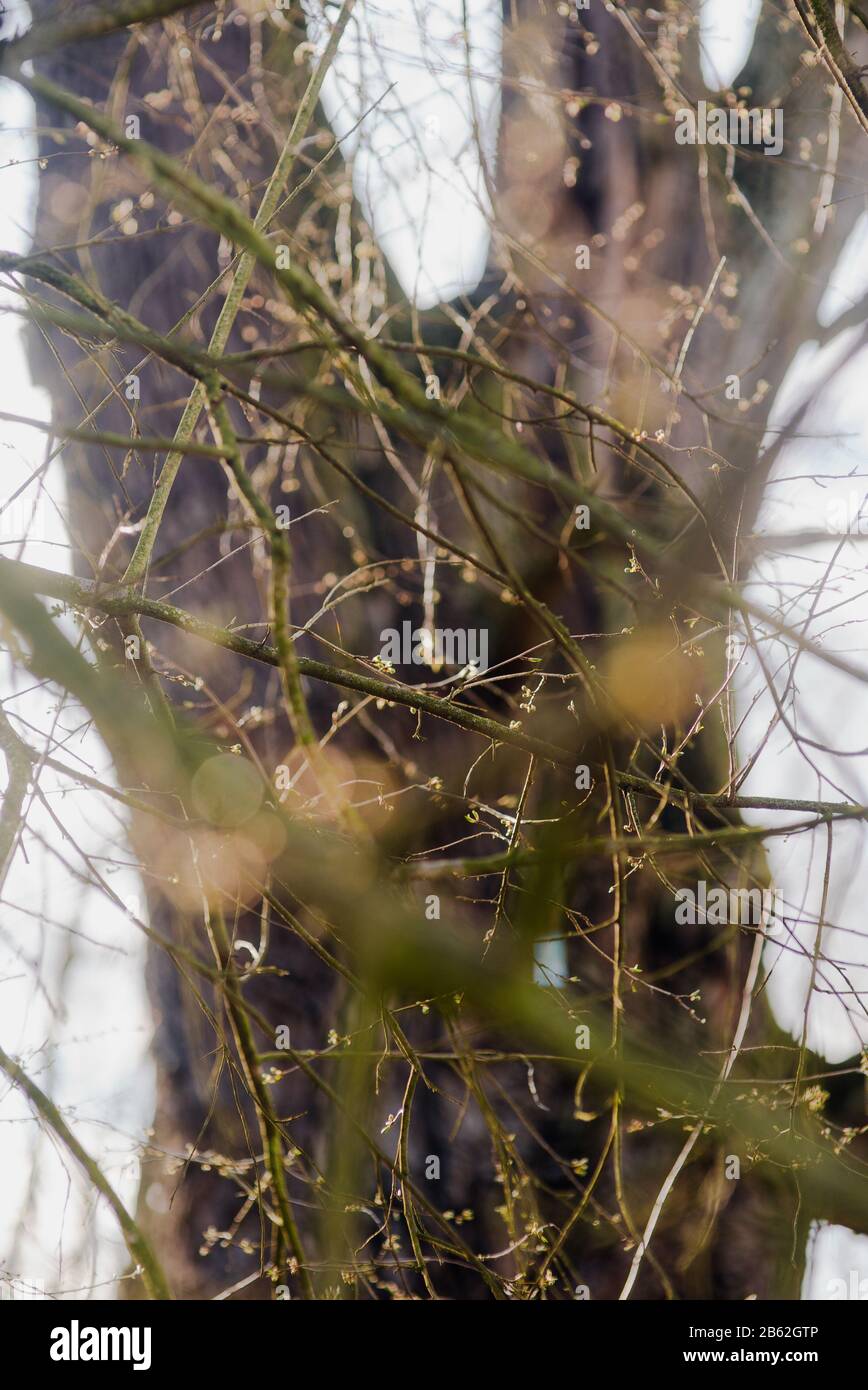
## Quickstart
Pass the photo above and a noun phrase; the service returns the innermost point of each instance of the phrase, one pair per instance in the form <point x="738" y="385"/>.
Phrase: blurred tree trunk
<point x="582" y="162"/>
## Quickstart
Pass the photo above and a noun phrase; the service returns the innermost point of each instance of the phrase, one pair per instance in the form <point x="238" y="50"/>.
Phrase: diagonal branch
<point x="137" y="1243"/>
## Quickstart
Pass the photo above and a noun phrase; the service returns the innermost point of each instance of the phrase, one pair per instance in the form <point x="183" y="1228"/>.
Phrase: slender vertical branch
<point x="228" y="313"/>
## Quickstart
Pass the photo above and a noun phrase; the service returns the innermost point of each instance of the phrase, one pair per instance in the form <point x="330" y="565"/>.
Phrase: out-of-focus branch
<point x="137" y="1244"/>
<point x="54" y="31"/>
<point x="19" y="763"/>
